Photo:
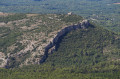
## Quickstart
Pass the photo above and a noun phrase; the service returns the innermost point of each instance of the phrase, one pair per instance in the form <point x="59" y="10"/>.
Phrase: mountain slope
<point x="93" y="48"/>
<point x="90" y="53"/>
<point x="24" y="37"/>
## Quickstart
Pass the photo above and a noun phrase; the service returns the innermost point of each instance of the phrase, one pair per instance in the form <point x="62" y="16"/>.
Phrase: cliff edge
<point x="27" y="38"/>
<point x="52" y="46"/>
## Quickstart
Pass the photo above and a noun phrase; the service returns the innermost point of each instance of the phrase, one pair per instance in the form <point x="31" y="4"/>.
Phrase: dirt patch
<point x="30" y="15"/>
<point x="2" y="55"/>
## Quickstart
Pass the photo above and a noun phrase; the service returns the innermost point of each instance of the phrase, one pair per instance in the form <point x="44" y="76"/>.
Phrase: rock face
<point x="3" y="60"/>
<point x="52" y="45"/>
<point x="28" y="40"/>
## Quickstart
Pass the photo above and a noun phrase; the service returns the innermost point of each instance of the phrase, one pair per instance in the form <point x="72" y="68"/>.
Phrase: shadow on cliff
<point x="55" y="44"/>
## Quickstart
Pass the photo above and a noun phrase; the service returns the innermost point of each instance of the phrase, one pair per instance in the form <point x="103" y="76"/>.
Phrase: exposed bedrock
<point x="52" y="46"/>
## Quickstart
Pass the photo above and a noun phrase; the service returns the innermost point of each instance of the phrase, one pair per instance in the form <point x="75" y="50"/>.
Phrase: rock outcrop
<point x="52" y="45"/>
<point x="29" y="40"/>
<point x="3" y="60"/>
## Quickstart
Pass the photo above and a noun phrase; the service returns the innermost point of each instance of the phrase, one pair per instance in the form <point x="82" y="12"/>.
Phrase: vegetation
<point x="50" y="72"/>
<point x="70" y="18"/>
<point x="103" y="12"/>
<point x="8" y="40"/>
<point x="93" y="49"/>
<point x="14" y="17"/>
<point x="20" y="30"/>
<point x="91" y="53"/>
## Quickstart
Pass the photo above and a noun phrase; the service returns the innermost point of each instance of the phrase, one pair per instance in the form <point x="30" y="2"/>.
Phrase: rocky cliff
<point x="52" y="46"/>
<point x="28" y="38"/>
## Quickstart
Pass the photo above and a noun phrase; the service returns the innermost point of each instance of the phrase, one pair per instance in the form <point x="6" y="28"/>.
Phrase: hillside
<point x="85" y="53"/>
<point x="59" y="39"/>
<point x="24" y="37"/>
<point x="92" y="49"/>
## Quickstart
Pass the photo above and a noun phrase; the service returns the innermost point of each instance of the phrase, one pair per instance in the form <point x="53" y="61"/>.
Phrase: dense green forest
<point x="49" y="72"/>
<point x="91" y="53"/>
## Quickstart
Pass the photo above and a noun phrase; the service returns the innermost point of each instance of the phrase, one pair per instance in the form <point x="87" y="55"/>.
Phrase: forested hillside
<point x="94" y="49"/>
<point x="59" y="39"/>
<point x="24" y="37"/>
<point x="92" y="53"/>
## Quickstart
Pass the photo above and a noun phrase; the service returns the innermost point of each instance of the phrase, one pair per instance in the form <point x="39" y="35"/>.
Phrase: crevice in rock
<point x="54" y="45"/>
